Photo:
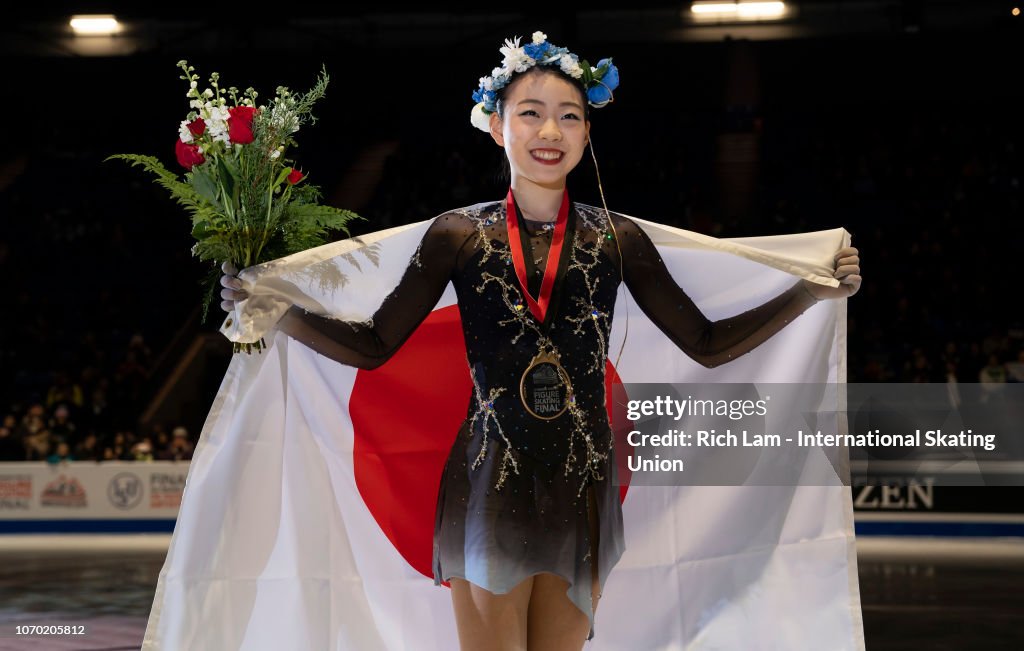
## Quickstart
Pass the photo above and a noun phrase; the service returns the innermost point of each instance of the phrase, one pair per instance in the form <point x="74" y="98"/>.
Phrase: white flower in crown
<point x="570" y="66"/>
<point x="539" y="37"/>
<point x="515" y="59"/>
<point x="487" y="83"/>
<point x="480" y="118"/>
<point x="499" y="77"/>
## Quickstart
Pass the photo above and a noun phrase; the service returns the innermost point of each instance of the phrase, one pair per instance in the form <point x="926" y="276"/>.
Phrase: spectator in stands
<point x="60" y="426"/>
<point x="180" y="448"/>
<point x="11" y="446"/>
<point x="64" y="391"/>
<point x="951" y="356"/>
<point x="920" y="368"/>
<point x="33" y="420"/>
<point x="61" y="455"/>
<point x="952" y="386"/>
<point x="143" y="354"/>
<point x="131" y="370"/>
<point x="118" y="449"/>
<point x="37" y="445"/>
<point x="129" y="379"/>
<point x="88" y="449"/>
<point x="143" y="450"/>
<point x="975" y="361"/>
<point x="996" y="342"/>
<point x="1015" y="370"/>
<point x="994" y="373"/>
<point x="98" y="412"/>
<point x="161" y="442"/>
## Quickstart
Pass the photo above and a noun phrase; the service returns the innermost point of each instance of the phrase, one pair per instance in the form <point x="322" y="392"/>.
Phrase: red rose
<point x="295" y="176"/>
<point x="240" y="124"/>
<point x="188" y="154"/>
<point x="197" y="127"/>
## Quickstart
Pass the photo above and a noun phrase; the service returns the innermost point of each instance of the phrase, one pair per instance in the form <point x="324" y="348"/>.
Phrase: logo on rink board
<point x="124" y="490"/>
<point x="64" y="491"/>
<point x="165" y="489"/>
<point x="15" y="492"/>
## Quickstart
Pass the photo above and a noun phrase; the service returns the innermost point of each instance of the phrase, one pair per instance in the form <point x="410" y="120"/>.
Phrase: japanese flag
<point x="308" y="513"/>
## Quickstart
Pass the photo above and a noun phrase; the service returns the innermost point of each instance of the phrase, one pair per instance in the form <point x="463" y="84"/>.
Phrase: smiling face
<point x="541" y="124"/>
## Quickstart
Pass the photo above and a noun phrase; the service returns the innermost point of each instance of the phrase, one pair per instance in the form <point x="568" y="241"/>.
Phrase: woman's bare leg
<point x="554" y="622"/>
<point x="488" y="621"/>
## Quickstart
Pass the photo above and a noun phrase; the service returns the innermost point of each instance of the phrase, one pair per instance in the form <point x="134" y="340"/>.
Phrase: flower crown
<point x="598" y="82"/>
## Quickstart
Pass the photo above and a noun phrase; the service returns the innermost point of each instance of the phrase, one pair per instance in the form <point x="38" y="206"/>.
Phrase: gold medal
<point x="545" y="388"/>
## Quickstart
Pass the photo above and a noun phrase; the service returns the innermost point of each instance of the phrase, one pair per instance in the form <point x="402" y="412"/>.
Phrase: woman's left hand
<point x="847" y="273"/>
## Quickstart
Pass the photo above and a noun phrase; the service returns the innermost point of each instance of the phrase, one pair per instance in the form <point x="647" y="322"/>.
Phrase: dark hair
<point x="504" y="174"/>
<point x="542" y="69"/>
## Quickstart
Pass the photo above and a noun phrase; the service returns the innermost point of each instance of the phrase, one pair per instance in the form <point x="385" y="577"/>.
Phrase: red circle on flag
<point x="405" y="416"/>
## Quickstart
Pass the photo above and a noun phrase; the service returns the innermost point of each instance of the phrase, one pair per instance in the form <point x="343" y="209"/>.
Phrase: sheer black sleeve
<point x="369" y="344"/>
<point x="710" y="343"/>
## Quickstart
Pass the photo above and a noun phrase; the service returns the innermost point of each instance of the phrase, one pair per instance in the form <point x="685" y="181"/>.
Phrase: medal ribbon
<point x="538" y="306"/>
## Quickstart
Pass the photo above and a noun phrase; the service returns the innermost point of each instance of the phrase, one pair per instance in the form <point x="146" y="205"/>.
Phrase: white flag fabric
<point x="308" y="513"/>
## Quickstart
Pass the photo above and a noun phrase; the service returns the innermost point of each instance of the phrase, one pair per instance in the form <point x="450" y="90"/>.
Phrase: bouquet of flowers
<point x="249" y="204"/>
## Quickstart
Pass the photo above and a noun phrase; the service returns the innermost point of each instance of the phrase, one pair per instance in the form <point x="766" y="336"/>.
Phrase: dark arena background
<point x="899" y="120"/>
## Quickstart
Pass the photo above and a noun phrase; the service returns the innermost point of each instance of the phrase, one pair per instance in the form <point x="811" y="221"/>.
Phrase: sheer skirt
<point x="536" y="523"/>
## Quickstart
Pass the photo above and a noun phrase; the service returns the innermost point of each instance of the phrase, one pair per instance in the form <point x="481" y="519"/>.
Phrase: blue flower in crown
<point x="598" y="82"/>
<point x="485" y="96"/>
<point x="536" y="51"/>
<point x="606" y="76"/>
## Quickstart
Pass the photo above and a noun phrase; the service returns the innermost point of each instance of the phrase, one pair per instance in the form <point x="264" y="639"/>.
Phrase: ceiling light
<point x="93" y="25"/>
<point x="715" y="11"/>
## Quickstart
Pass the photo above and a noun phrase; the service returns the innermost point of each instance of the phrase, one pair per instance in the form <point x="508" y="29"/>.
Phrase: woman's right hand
<point x="232" y="291"/>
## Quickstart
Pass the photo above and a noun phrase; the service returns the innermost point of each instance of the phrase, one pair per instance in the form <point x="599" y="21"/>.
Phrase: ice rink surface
<point x="916" y="593"/>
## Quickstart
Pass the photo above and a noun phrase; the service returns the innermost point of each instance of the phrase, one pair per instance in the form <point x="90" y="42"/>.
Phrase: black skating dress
<point x="515" y="491"/>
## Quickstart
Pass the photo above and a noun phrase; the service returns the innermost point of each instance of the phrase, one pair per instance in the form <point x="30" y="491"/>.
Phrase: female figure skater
<point x="528" y="521"/>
